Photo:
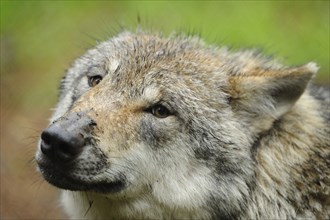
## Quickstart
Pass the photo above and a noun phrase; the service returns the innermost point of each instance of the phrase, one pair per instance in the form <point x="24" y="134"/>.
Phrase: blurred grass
<point x="39" y="40"/>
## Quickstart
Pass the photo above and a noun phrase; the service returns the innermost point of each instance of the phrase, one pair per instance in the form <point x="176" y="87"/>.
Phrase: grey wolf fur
<point x="236" y="135"/>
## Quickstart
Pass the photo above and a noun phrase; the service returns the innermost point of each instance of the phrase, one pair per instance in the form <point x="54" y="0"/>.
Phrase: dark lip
<point x="58" y="178"/>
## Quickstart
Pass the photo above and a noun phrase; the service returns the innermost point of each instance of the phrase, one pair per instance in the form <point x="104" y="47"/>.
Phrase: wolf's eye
<point x="94" y="80"/>
<point x="160" y="111"/>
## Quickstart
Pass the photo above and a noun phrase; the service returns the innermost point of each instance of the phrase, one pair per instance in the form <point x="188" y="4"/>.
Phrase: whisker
<point x="90" y="202"/>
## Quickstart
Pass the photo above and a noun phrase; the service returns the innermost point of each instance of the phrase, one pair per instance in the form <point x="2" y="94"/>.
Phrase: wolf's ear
<point x="269" y="92"/>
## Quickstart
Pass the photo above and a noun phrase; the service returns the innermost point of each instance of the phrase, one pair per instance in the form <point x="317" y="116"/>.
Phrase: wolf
<point x="156" y="127"/>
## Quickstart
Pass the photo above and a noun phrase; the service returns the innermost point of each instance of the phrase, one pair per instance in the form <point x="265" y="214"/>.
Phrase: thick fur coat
<point x="149" y="127"/>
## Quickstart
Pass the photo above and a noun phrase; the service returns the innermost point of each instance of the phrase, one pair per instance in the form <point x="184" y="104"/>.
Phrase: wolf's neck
<point x="283" y="157"/>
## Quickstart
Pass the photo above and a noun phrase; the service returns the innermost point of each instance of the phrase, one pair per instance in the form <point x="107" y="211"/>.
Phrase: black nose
<point x="57" y="143"/>
<point x="65" y="139"/>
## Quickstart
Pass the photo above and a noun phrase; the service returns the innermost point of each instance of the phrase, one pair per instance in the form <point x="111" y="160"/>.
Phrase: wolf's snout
<point x="65" y="139"/>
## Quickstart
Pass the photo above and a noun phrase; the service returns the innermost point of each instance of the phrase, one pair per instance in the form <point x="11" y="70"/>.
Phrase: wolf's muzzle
<point x="65" y="139"/>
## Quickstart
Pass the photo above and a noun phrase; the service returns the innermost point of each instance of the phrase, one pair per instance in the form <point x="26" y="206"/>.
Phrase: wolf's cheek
<point x="158" y="132"/>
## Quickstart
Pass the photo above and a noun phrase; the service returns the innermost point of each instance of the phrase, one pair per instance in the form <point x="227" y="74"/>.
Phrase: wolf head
<point x="166" y="118"/>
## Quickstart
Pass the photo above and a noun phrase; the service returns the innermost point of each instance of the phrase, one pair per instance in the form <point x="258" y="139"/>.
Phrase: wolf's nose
<point x="66" y="138"/>
<point x="59" y="144"/>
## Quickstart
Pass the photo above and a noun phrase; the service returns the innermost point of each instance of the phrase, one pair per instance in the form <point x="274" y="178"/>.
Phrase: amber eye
<point x="160" y="111"/>
<point x="94" y="80"/>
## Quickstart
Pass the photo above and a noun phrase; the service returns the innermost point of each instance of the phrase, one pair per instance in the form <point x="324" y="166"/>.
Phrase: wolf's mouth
<point x="64" y="180"/>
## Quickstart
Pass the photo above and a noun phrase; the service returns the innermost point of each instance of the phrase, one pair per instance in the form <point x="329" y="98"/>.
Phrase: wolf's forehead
<point x="138" y="60"/>
<point x="144" y="50"/>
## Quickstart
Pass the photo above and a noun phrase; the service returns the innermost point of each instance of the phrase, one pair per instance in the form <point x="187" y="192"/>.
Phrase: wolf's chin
<point x="71" y="184"/>
<point x="65" y="181"/>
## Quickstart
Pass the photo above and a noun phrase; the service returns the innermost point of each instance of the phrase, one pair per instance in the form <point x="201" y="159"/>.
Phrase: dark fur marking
<point x="256" y="143"/>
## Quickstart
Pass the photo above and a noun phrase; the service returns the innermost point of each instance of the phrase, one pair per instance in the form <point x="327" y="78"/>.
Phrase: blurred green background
<point x="39" y="40"/>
